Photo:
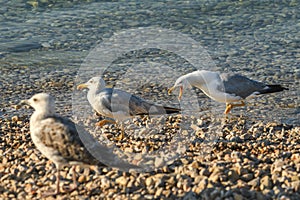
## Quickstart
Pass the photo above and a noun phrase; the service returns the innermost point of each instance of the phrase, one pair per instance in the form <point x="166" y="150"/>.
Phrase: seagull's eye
<point x="35" y="99"/>
<point x="91" y="81"/>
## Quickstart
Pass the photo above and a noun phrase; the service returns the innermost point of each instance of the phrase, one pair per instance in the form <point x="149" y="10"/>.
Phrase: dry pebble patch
<point x="264" y="163"/>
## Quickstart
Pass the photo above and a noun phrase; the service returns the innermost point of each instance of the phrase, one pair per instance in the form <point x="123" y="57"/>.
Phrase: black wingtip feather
<point x="170" y="110"/>
<point x="162" y="110"/>
<point x="273" y="88"/>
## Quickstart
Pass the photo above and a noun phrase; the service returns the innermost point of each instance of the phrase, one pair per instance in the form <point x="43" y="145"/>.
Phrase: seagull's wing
<point x="116" y="100"/>
<point x="111" y="101"/>
<point x="61" y="135"/>
<point x="240" y="85"/>
<point x="126" y="102"/>
<point x="102" y="102"/>
<point x="139" y="106"/>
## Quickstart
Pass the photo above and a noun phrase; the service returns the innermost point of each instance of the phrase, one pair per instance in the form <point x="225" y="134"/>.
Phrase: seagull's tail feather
<point x="159" y="110"/>
<point x="170" y="110"/>
<point x="273" y="88"/>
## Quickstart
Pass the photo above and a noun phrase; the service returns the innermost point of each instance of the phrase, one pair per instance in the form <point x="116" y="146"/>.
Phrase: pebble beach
<point x="253" y="153"/>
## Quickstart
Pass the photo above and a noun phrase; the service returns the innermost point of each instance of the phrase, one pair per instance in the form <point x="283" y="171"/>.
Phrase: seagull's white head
<point x="182" y="83"/>
<point x="196" y="78"/>
<point x="95" y="83"/>
<point x="41" y="102"/>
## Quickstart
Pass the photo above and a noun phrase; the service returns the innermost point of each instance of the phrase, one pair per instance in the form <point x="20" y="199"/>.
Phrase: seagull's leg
<point x="238" y="104"/>
<point x="57" y="191"/>
<point x="74" y="186"/>
<point x="105" y="121"/>
<point x="58" y="180"/>
<point x="228" y="108"/>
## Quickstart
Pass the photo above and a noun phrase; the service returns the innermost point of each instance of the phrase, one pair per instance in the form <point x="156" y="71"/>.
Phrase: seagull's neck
<point x="203" y="80"/>
<point x="93" y="91"/>
<point x="39" y="115"/>
<point x="96" y="89"/>
<point x="195" y="79"/>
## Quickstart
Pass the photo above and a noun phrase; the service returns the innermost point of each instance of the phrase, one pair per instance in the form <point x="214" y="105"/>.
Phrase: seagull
<point x="224" y="87"/>
<point x="118" y="104"/>
<point x="56" y="138"/>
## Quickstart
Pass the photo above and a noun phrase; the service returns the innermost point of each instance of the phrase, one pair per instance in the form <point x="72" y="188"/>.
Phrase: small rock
<point x="15" y="118"/>
<point x="158" y="162"/>
<point x="237" y="196"/>
<point x="233" y="175"/>
<point x="17" y="107"/>
<point x="259" y="196"/>
<point x="122" y="180"/>
<point x="149" y="181"/>
<point x="201" y="186"/>
<point x="296" y="157"/>
<point x="82" y="179"/>
<point x="195" y="164"/>
<point x="214" y="177"/>
<point x="204" y="172"/>
<point x="266" y="183"/>
<point x="296" y="185"/>
<point x="247" y="177"/>
<point x="254" y="183"/>
<point x="158" y="192"/>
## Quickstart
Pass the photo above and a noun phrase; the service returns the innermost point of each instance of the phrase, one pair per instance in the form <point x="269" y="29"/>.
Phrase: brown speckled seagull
<point x="57" y="138"/>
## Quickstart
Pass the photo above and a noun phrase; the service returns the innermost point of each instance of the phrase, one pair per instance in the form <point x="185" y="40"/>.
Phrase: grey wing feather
<point x="139" y="106"/>
<point x="119" y="100"/>
<point x="240" y="85"/>
<point x="105" y="98"/>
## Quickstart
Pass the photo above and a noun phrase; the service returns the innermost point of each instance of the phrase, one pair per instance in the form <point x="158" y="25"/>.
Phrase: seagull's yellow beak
<point x="23" y="103"/>
<point x="180" y="92"/>
<point x="82" y="86"/>
<point x="171" y="90"/>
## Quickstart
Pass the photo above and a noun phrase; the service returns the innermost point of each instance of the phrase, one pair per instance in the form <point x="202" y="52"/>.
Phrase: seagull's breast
<point x="102" y="109"/>
<point x="39" y="141"/>
<point x="100" y="103"/>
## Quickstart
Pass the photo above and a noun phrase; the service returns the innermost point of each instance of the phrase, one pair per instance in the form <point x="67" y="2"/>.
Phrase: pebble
<point x="266" y="183"/>
<point x="82" y="179"/>
<point x="158" y="162"/>
<point x="149" y="181"/>
<point x="15" y="118"/>
<point x="122" y="181"/>
<point x="233" y="175"/>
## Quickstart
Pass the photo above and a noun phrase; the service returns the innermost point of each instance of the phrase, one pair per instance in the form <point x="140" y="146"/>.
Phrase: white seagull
<point x="56" y="138"/>
<point x="118" y="104"/>
<point x="224" y="87"/>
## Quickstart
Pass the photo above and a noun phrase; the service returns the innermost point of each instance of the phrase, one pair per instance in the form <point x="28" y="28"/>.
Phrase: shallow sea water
<point x="44" y="44"/>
